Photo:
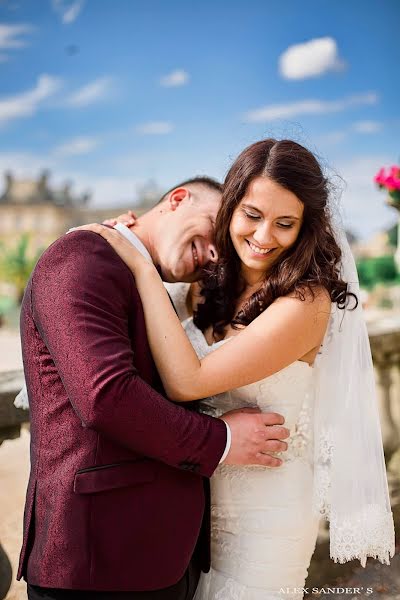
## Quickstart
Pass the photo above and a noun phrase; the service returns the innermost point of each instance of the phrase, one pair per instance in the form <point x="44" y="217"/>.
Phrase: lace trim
<point x="369" y="533"/>
<point x="322" y="473"/>
<point x="300" y="441"/>
<point x="359" y="536"/>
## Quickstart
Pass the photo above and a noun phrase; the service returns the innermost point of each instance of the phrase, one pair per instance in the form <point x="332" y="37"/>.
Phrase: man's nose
<point x="212" y="254"/>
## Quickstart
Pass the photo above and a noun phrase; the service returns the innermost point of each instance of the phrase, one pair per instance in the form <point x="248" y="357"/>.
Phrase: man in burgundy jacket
<point x="116" y="494"/>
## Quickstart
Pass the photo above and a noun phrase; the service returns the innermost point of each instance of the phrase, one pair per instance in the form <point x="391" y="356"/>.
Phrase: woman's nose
<point x="263" y="234"/>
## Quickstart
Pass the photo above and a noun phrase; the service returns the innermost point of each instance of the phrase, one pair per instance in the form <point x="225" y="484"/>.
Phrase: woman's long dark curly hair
<point x="312" y="261"/>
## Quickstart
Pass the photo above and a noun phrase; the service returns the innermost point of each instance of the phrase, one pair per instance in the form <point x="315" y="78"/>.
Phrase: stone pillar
<point x="384" y="336"/>
<point x="390" y="433"/>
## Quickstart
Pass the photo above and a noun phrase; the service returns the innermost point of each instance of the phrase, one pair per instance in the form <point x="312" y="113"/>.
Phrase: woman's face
<point x="264" y="225"/>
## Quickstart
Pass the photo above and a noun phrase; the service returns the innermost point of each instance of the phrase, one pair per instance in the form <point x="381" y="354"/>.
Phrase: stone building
<point x="29" y="206"/>
<point x="34" y="207"/>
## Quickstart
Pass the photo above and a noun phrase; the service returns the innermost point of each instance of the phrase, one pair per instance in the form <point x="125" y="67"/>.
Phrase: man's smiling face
<point x="185" y="237"/>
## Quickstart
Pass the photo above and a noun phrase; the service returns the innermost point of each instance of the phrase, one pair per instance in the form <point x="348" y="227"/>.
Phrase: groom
<point x="116" y="494"/>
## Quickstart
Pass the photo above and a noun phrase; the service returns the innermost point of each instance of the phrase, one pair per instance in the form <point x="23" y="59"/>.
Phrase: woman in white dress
<point x="255" y="340"/>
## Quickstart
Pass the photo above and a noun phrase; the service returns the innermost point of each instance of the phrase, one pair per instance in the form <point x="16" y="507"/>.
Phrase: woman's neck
<point x="252" y="279"/>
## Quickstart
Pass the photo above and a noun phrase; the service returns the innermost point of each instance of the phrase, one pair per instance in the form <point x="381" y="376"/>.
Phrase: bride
<point x="279" y="326"/>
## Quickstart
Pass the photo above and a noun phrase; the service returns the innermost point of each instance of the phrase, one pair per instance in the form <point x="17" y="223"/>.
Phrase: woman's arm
<point x="282" y="334"/>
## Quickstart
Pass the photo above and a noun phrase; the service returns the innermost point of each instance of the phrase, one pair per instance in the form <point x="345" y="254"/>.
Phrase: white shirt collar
<point x="129" y="235"/>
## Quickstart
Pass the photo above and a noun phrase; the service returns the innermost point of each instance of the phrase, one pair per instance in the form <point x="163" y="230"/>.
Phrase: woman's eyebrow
<point x="259" y="211"/>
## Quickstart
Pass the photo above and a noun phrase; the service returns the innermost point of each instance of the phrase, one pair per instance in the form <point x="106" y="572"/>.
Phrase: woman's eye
<point x="285" y="225"/>
<point x="250" y="216"/>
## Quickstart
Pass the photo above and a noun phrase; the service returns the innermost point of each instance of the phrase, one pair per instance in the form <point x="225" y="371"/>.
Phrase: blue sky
<point x="112" y="93"/>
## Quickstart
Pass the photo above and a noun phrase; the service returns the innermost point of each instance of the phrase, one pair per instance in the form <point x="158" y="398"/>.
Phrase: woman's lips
<point x="259" y="252"/>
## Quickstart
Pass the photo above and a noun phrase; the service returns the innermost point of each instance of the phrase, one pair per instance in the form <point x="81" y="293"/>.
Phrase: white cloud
<point x="68" y="11"/>
<point x="10" y="37"/>
<point x="176" y="78"/>
<point x="367" y="126"/>
<point x="27" y="103"/>
<point x="155" y="128"/>
<point x="77" y="146"/>
<point x="359" y="127"/>
<point x="91" y="93"/>
<point x="310" y="59"/>
<point x="289" y="110"/>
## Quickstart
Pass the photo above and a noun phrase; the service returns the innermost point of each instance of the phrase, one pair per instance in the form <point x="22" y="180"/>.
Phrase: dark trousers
<point x="182" y="590"/>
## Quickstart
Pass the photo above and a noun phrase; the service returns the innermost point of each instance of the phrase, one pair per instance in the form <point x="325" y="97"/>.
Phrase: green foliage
<point x="16" y="265"/>
<point x="393" y="235"/>
<point x="381" y="269"/>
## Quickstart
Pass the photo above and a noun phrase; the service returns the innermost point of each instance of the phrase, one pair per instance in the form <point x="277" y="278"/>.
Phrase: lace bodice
<point x="288" y="392"/>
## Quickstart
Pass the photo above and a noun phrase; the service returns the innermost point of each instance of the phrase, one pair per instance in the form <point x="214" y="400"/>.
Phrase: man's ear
<point x="176" y="197"/>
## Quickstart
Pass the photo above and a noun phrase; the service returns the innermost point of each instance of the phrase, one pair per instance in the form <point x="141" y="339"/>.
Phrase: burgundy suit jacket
<point x="115" y="499"/>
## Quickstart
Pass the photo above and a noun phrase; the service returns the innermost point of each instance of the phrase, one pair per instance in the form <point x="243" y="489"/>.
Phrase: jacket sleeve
<point x="83" y="297"/>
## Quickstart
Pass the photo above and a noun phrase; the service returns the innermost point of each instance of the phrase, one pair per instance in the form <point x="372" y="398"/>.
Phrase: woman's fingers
<point x="127" y="219"/>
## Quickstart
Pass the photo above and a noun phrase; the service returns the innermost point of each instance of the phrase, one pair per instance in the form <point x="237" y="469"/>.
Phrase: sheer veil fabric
<point x="350" y="484"/>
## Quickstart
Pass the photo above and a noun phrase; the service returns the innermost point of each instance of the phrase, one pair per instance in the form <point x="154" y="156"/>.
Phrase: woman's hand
<point x="127" y="219"/>
<point x="123" y="247"/>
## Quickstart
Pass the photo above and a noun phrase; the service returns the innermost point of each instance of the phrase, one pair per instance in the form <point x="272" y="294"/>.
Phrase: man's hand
<point x="254" y="436"/>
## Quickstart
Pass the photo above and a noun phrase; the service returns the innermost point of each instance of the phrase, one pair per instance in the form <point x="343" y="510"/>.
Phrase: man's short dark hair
<point x="201" y="180"/>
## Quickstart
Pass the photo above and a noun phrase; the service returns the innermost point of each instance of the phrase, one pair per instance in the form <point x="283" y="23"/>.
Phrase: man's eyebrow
<point x="260" y="212"/>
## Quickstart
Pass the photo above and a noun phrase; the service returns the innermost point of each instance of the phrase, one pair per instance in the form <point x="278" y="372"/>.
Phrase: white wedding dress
<point x="263" y="531"/>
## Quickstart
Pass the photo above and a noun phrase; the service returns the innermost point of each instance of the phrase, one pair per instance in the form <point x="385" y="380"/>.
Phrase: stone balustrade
<point x="384" y="335"/>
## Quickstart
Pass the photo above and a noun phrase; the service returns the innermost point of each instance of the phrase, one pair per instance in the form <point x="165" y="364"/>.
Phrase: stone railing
<point x="384" y="335"/>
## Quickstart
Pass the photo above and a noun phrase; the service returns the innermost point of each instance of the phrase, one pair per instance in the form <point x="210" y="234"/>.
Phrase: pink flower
<point x="391" y="183"/>
<point x="396" y="182"/>
<point x="395" y="171"/>
<point x="380" y="177"/>
<point x="389" y="179"/>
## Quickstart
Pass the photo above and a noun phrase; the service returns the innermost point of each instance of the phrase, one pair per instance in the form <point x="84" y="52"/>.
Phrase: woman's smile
<point x="259" y="252"/>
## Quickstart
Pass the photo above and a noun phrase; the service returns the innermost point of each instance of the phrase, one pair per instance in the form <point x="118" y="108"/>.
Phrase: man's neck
<point x="142" y="230"/>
